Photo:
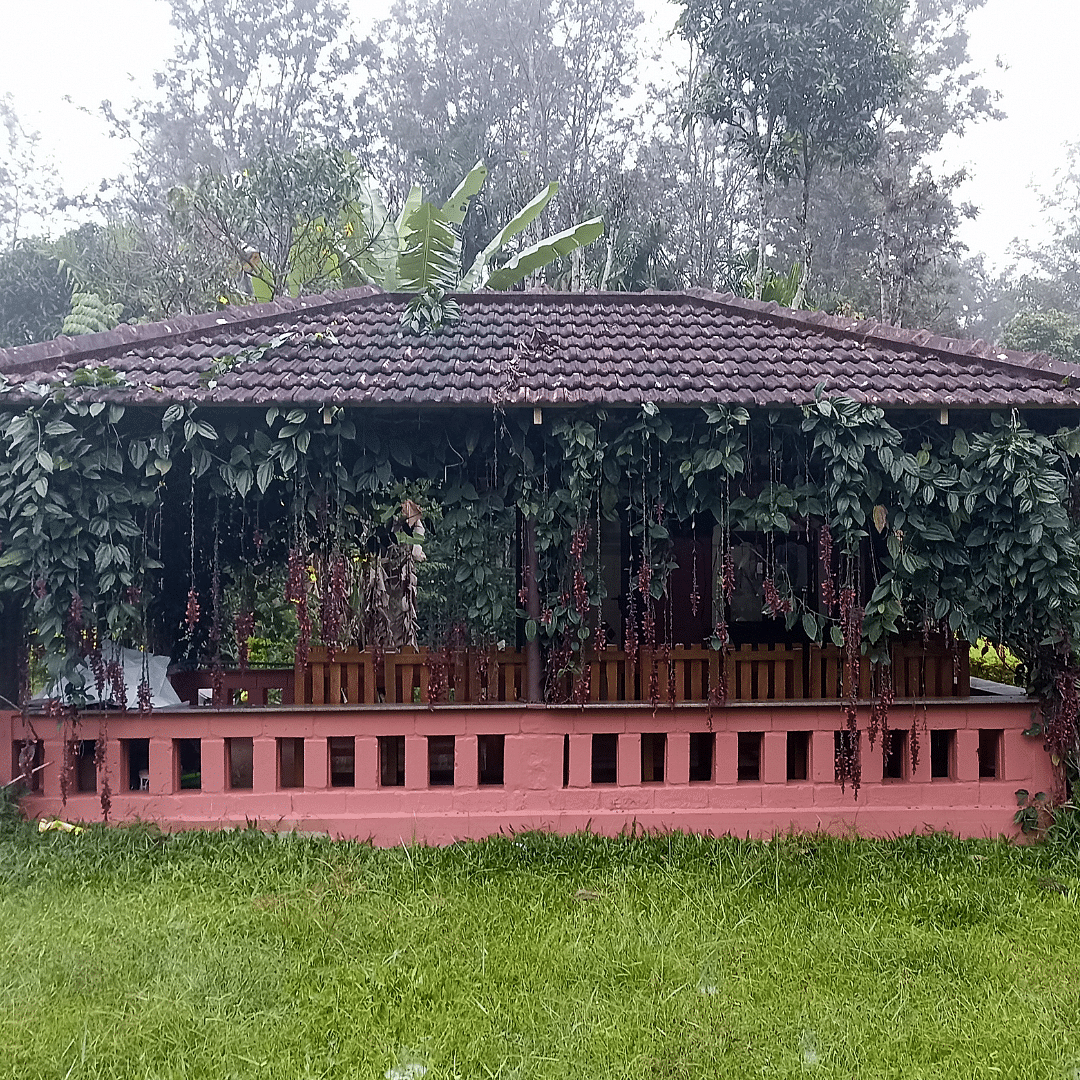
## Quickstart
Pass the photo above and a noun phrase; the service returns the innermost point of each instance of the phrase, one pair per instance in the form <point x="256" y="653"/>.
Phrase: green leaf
<point x="264" y="475"/>
<point x="477" y="277"/>
<point x="429" y="260"/>
<point x="837" y="636"/>
<point x="546" y="251"/>
<point x="810" y="625"/>
<point x="455" y="208"/>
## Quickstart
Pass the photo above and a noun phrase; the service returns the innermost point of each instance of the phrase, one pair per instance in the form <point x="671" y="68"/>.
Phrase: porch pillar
<point x="677" y="766"/>
<point x="316" y="762"/>
<point x="823" y="757"/>
<point x="774" y="757"/>
<point x="580" y="761"/>
<point x="213" y="765"/>
<point x="54" y="760"/>
<point x="113" y="767"/>
<point x="920" y="774"/>
<point x="967" y="755"/>
<point x="871" y="765"/>
<point x="162" y="766"/>
<point x="727" y="757"/>
<point x="466" y="762"/>
<point x="416" y="762"/>
<point x="533" y="672"/>
<point x="367" y="762"/>
<point x="629" y="758"/>
<point x="264" y="764"/>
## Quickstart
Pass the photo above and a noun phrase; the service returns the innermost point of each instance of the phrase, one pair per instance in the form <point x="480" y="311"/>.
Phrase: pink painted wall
<point x="532" y="795"/>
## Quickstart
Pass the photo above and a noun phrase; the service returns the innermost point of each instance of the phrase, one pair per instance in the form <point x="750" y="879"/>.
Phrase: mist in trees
<point x="788" y="149"/>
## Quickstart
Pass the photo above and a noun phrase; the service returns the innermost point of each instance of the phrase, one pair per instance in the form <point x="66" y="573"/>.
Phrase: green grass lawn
<point x="129" y="954"/>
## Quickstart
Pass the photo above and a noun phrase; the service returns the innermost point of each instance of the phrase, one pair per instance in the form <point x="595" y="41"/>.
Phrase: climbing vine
<point x="914" y="528"/>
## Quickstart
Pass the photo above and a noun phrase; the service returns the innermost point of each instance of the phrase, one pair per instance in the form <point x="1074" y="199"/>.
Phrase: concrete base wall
<point x="532" y="794"/>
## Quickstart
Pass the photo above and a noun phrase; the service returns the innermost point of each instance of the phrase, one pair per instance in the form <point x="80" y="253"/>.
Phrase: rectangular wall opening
<point x="291" y="763"/>
<point x="894" y="748"/>
<point x="942" y="744"/>
<point x="702" y="748"/>
<point x="750" y="755"/>
<point x="845" y="745"/>
<point x="135" y="764"/>
<point x="566" y="761"/>
<point x="187" y="753"/>
<point x="653" y="747"/>
<point x="240" y="763"/>
<point x="605" y="759"/>
<point x="989" y="754"/>
<point x="342" y="751"/>
<point x="440" y="758"/>
<point x="392" y="760"/>
<point x="31" y="763"/>
<point x="489" y="752"/>
<point x="798" y="755"/>
<point x="83" y="765"/>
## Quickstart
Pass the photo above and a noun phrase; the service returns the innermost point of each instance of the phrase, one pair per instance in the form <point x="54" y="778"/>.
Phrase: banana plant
<point x="421" y="252"/>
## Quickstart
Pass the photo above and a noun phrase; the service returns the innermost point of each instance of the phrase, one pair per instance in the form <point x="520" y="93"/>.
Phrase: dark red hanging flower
<point x="191" y="612"/>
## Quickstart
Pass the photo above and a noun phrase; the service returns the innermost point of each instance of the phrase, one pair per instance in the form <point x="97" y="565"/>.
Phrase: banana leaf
<point x="546" y="251"/>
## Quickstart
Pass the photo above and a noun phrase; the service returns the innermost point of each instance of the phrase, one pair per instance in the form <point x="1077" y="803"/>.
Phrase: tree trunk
<point x="806" y="244"/>
<point x="759" y="271"/>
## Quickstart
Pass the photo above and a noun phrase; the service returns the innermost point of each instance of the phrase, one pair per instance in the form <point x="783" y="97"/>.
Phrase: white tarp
<point x="163" y="696"/>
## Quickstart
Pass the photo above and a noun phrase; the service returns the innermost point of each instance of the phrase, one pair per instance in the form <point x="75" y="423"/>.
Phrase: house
<point x="579" y="561"/>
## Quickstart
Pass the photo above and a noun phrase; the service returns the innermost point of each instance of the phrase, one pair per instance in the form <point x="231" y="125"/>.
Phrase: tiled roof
<point x="349" y="348"/>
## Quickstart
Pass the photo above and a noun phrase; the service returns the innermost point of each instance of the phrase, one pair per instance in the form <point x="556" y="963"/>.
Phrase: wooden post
<point x="533" y="673"/>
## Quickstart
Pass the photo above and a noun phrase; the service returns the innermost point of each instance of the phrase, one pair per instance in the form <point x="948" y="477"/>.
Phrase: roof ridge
<point x="57" y="350"/>
<point x="871" y="330"/>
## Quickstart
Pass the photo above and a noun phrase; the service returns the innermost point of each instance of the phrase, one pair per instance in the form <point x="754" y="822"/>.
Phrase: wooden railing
<point x="779" y="673"/>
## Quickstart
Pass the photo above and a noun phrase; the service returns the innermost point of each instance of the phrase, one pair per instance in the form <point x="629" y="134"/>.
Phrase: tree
<point x="533" y="87"/>
<point x="35" y="295"/>
<point x="28" y="186"/>
<point x="1052" y="331"/>
<point x="243" y="77"/>
<point x="743" y="50"/>
<point x="797" y="84"/>
<point x="885" y="234"/>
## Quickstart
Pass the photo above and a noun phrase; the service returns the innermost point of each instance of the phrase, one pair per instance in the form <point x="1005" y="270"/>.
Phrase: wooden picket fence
<point x="680" y="674"/>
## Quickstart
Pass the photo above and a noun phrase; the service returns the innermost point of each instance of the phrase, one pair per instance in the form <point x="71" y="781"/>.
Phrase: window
<point x="135" y="764"/>
<point x="392" y="760"/>
<point x="342" y="751"/>
<point x="291" y="763"/>
<point x="989" y="754"/>
<point x="187" y="754"/>
<point x="750" y="755"/>
<point x="941" y="754"/>
<point x="239" y="763"/>
<point x="798" y="755"/>
<point x="489" y="751"/>
<point x="440" y="755"/>
<point x="83" y="765"/>
<point x="566" y="761"/>
<point x="702" y="748"/>
<point x="653" y="745"/>
<point x="605" y="759"/>
<point x="32" y="761"/>
<point x="894" y="755"/>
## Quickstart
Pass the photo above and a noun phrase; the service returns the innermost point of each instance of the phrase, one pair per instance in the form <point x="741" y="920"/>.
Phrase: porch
<point x="395" y="773"/>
